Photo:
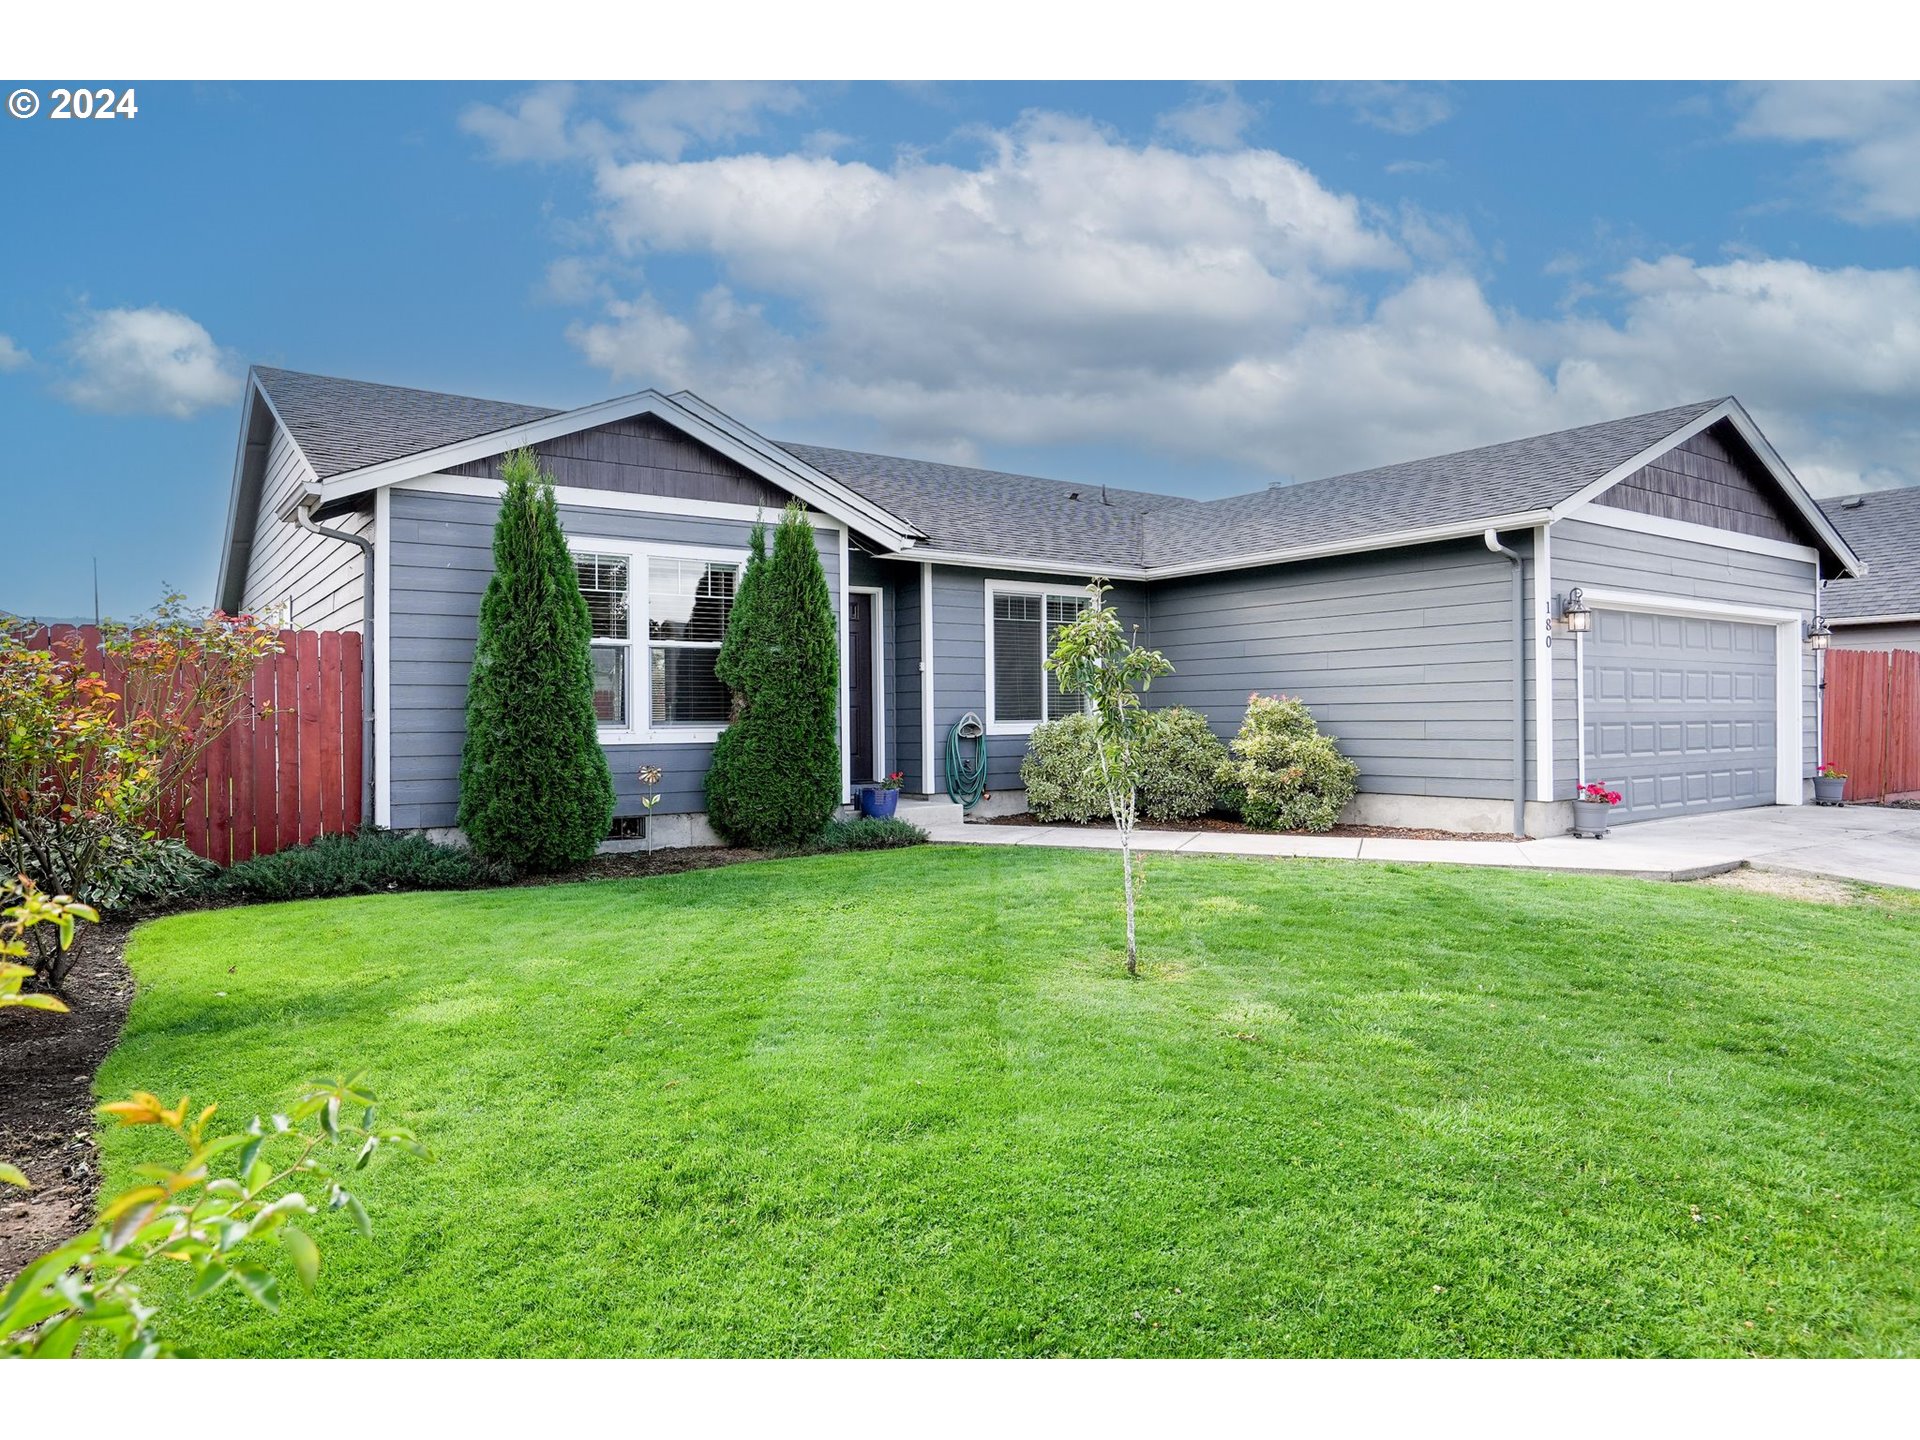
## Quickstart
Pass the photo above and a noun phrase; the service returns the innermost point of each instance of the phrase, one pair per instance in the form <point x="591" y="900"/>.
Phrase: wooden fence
<point x="1871" y="721"/>
<point x="288" y="769"/>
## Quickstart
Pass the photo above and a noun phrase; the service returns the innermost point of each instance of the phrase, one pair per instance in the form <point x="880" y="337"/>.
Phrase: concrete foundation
<point x="1466" y="817"/>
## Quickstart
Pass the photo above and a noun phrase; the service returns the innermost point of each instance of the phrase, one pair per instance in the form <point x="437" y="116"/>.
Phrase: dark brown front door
<point x="860" y="686"/>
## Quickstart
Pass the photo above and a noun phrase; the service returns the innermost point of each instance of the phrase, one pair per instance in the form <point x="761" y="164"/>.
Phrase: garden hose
<point x="967" y="779"/>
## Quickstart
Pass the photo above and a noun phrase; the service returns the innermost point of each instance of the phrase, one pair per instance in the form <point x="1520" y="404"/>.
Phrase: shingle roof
<point x="1884" y="530"/>
<point x="1470" y="485"/>
<point x="989" y="513"/>
<point x="992" y="512"/>
<point x="343" y="425"/>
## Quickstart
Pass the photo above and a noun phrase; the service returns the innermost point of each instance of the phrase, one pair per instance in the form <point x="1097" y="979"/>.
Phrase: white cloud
<point x="1392" y="106"/>
<point x="1868" y="131"/>
<point x="149" y="361"/>
<point x="1216" y="119"/>
<point x="559" y="121"/>
<point x="1067" y="287"/>
<point x="12" y="356"/>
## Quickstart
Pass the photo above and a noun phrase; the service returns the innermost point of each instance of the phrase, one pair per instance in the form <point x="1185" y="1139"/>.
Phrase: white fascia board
<point x="1837" y="621"/>
<point x="1522" y="520"/>
<point x="1788" y="481"/>
<point x="883" y="524"/>
<point x="579" y="497"/>
<point x="890" y="531"/>
<point x="1610" y="515"/>
<point x="247" y="392"/>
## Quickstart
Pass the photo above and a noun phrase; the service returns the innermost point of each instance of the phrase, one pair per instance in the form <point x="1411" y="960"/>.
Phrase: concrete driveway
<point x="1873" y="843"/>
<point x="1867" y="842"/>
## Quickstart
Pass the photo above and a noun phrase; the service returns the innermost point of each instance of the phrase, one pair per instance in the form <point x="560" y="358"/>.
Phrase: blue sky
<point x="1183" y="287"/>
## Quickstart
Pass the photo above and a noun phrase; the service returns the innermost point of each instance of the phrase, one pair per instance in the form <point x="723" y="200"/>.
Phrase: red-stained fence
<point x="287" y="770"/>
<point x="1872" y="721"/>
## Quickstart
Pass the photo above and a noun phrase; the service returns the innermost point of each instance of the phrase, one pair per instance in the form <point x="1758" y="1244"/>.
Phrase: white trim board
<point x="1543" y="664"/>
<point x="1838" y="621"/>
<point x="876" y="625"/>
<point x="928" y="770"/>
<point x="1617" y="519"/>
<point x="846" y="680"/>
<point x="382" y="622"/>
<point x="1789" y="685"/>
<point x="580" y="498"/>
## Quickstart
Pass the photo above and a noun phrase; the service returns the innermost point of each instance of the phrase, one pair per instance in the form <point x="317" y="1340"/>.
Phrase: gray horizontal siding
<point x="323" y="577"/>
<point x="1404" y="655"/>
<point x="960" y="655"/>
<point x="441" y="555"/>
<point x="1599" y="556"/>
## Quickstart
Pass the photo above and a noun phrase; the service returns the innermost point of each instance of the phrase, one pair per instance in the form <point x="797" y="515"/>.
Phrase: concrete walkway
<point x="1867" y="843"/>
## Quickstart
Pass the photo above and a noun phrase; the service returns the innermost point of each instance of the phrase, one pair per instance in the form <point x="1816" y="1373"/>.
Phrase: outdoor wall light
<point x="1819" y="634"/>
<point x="1574" y="613"/>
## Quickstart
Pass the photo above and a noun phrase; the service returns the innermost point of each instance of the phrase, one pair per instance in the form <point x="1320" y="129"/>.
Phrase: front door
<point x="860" y="686"/>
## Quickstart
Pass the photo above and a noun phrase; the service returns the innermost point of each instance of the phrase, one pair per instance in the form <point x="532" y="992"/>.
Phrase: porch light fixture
<point x="1574" y="613"/>
<point x="1819" y="634"/>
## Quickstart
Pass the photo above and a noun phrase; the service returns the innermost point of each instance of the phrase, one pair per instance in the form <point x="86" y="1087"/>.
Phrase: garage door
<point x="1680" y="713"/>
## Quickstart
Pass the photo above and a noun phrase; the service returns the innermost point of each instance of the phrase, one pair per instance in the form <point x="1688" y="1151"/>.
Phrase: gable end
<point x="1709" y="479"/>
<point x="642" y="455"/>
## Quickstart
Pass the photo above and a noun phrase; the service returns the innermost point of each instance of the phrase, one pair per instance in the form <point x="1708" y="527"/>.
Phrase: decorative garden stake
<point x="1593" y="810"/>
<point x="1092" y="657"/>
<point x="650" y="777"/>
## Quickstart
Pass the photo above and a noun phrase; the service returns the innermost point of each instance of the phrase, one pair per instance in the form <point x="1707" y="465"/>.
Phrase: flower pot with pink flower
<point x="1593" y="810"/>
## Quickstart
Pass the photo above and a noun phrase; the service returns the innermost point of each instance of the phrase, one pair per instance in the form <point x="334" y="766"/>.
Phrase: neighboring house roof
<point x="358" y="435"/>
<point x="343" y="425"/>
<point x="1883" y="527"/>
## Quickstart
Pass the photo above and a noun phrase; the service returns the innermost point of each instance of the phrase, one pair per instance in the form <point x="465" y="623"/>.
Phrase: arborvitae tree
<point x="775" y="777"/>
<point x="534" y="786"/>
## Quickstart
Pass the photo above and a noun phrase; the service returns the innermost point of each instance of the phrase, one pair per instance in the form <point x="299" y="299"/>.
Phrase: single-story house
<point x="1624" y="602"/>
<point x="1880" y="611"/>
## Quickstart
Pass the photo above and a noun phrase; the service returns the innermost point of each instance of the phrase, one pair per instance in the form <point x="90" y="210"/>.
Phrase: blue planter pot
<point x="878" y="804"/>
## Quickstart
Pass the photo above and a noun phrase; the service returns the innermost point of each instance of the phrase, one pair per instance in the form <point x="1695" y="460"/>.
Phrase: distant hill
<point x="10" y="617"/>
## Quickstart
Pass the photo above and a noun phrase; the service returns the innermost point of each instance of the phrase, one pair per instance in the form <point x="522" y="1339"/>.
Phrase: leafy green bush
<point x="186" y="1212"/>
<point x="1181" y="763"/>
<point x="775" y="776"/>
<point x="143" y="871"/>
<point x="535" y="790"/>
<point x="371" y="862"/>
<point x="1284" y="774"/>
<point x="1180" y="759"/>
<point x="868" y="834"/>
<point x="1061" y="772"/>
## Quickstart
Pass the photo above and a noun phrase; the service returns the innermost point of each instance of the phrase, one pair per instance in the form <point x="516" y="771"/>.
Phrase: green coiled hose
<point x="967" y="779"/>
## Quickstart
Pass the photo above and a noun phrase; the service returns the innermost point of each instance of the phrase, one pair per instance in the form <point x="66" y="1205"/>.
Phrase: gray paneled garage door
<point x="1680" y="713"/>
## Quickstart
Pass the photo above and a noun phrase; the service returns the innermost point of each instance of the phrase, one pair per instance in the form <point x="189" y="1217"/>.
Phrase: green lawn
<point x="907" y="1103"/>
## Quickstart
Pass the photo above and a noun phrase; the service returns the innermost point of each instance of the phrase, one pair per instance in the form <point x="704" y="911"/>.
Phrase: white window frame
<point x="995" y="588"/>
<point x="640" y="729"/>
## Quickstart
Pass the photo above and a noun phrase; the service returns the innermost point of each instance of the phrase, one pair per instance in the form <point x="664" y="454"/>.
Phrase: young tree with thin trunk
<point x="1094" y="657"/>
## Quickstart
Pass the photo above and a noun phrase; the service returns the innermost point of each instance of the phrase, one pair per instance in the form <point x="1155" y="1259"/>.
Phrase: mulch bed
<point x="638" y="864"/>
<point x="1221" y="824"/>
<point x="47" y="1062"/>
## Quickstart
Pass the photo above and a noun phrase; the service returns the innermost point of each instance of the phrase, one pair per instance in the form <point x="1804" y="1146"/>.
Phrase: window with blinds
<point x="688" y="602"/>
<point x="1024" y="626"/>
<point x="603" y="582"/>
